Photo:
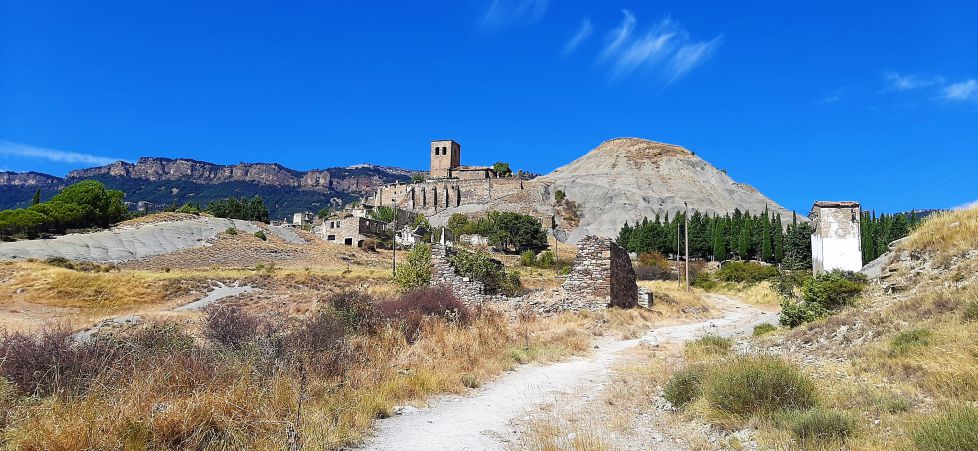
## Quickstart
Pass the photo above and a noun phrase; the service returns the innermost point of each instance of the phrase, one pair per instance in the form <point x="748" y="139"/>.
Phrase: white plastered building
<point x="836" y="241"/>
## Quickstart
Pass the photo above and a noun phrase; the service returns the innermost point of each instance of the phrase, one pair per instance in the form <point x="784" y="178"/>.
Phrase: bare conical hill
<point x="626" y="179"/>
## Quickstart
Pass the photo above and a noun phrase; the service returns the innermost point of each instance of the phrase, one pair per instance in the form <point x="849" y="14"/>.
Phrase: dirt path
<point x="490" y="418"/>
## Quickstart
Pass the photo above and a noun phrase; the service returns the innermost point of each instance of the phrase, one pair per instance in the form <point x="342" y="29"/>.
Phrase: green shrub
<point x="685" y="385"/>
<point x="491" y="273"/>
<point x="546" y="259"/>
<point x="261" y="235"/>
<point x="970" y="312"/>
<point x="189" y="207"/>
<point x="909" y="339"/>
<point x="763" y="329"/>
<point x="560" y="195"/>
<point x="709" y="345"/>
<point x="750" y="385"/>
<point x="231" y="231"/>
<point x="818" y="425"/>
<point x="416" y="271"/>
<point x="705" y="281"/>
<point x="794" y="314"/>
<point x="469" y="380"/>
<point x="833" y="289"/>
<point x="528" y="258"/>
<point x="749" y="272"/>
<point x="953" y="430"/>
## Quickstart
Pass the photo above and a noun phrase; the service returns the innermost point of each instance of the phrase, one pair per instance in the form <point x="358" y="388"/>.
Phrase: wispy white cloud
<point x="13" y="149"/>
<point x="832" y="96"/>
<point x="583" y="32"/>
<point x="503" y="13"/>
<point x="959" y="92"/>
<point x="666" y="48"/>
<point x="973" y="204"/>
<point x="691" y="55"/>
<point x="618" y="36"/>
<point x="896" y="81"/>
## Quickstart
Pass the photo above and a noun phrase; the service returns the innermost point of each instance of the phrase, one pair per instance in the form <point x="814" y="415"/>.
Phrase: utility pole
<point x="686" y="230"/>
<point x="394" y="243"/>
<point x="679" y="277"/>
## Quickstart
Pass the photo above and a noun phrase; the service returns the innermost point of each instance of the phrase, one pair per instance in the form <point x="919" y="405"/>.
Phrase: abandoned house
<point x="836" y="242"/>
<point x="351" y="230"/>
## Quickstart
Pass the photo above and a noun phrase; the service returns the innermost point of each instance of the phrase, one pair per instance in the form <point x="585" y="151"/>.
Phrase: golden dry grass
<point x="175" y="402"/>
<point x="946" y="234"/>
<point x="673" y="301"/>
<point x="759" y="293"/>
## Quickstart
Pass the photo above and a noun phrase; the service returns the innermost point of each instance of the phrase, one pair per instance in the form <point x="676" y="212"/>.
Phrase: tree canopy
<point x="239" y="208"/>
<point x="82" y="205"/>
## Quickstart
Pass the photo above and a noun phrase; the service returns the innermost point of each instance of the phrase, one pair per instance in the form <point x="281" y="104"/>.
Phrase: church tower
<point x="445" y="156"/>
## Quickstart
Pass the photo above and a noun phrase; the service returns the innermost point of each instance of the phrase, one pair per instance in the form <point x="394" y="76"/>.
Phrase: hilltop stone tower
<point x="446" y="155"/>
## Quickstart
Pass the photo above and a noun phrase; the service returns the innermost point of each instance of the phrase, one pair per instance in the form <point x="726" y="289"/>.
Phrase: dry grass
<point x="226" y="403"/>
<point x="673" y="301"/>
<point x="946" y="234"/>
<point x="759" y="293"/>
<point x="54" y="286"/>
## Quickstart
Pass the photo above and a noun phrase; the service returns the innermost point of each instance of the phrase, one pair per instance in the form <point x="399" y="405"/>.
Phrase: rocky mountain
<point x="626" y="179"/>
<point x="157" y="182"/>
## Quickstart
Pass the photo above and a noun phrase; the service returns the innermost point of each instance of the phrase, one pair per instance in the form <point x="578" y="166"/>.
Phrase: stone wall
<point x="433" y="196"/>
<point x="443" y="273"/>
<point x="602" y="272"/>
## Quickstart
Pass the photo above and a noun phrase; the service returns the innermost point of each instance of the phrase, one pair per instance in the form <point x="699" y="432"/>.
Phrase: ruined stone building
<point x="351" y="230"/>
<point x="836" y="241"/>
<point x="602" y="272"/>
<point x="450" y="184"/>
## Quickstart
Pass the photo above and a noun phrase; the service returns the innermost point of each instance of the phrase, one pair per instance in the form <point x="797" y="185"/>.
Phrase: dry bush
<point x="52" y="362"/>
<point x="230" y="326"/>
<point x="411" y="309"/>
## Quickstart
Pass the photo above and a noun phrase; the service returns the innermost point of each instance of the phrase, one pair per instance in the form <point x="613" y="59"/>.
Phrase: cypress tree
<point x="37" y="197"/>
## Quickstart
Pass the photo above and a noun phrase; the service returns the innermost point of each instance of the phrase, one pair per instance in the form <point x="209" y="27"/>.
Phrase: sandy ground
<point x="135" y="241"/>
<point x="495" y="416"/>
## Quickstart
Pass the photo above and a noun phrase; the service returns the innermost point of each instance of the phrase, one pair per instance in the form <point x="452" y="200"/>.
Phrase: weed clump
<point x="953" y="430"/>
<point x="685" y="386"/>
<point x="904" y="341"/>
<point x="261" y="235"/>
<point x="709" y="345"/>
<point x="411" y="309"/>
<point x="764" y="329"/>
<point x="819" y="425"/>
<point x="970" y="312"/>
<point x="750" y="385"/>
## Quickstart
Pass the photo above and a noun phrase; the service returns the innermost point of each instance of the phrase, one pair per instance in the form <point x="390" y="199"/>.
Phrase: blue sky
<point x="872" y="101"/>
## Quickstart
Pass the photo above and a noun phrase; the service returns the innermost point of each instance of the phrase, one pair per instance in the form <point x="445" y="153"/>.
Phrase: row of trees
<point x="741" y="235"/>
<point x="878" y="232"/>
<point x="82" y="205"/>
<point x="239" y="208"/>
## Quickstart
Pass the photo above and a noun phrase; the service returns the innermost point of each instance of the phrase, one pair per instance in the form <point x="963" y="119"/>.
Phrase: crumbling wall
<point x="443" y="273"/>
<point x="602" y="272"/>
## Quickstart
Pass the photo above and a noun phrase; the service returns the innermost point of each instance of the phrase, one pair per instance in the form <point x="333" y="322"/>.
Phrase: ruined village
<point x="498" y="225"/>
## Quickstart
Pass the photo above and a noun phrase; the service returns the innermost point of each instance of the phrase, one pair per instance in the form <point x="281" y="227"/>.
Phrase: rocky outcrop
<point x="155" y="169"/>
<point x="37" y="179"/>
